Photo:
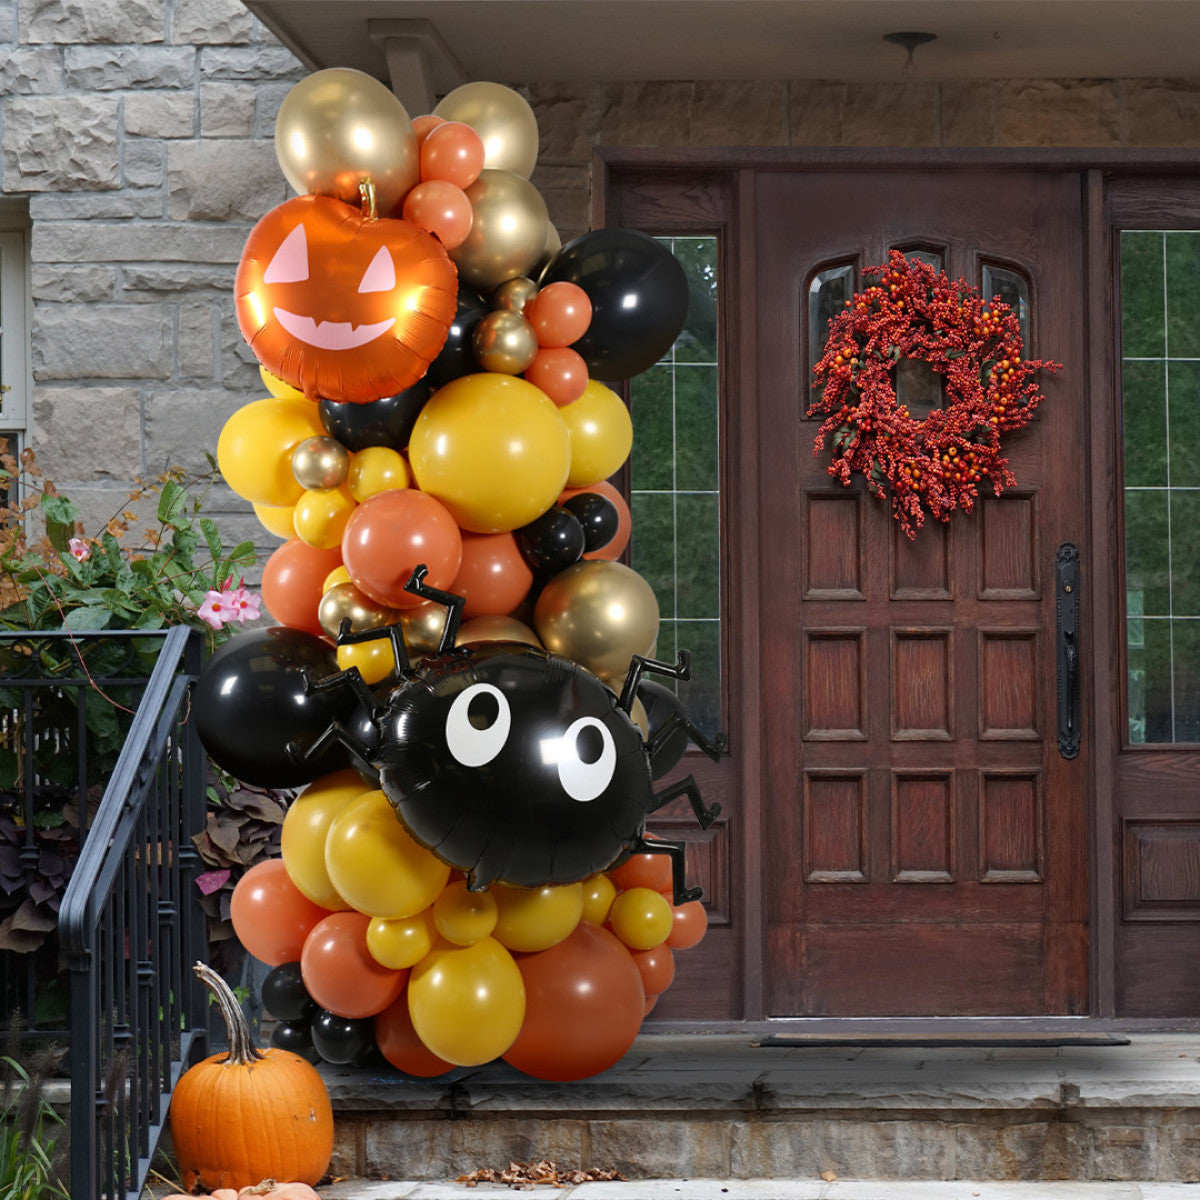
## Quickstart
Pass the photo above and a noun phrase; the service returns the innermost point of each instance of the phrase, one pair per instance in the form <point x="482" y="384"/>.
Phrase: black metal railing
<point x="129" y="925"/>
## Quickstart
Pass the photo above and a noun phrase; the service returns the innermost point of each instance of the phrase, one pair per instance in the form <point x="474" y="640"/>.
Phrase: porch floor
<point x="723" y="1108"/>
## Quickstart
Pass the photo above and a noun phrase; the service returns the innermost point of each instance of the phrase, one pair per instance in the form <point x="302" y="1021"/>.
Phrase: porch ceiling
<point x="529" y="41"/>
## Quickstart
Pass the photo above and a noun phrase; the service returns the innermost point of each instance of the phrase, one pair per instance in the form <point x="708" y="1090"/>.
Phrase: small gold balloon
<point x="423" y="628"/>
<point x="320" y="464"/>
<point x="502" y="118"/>
<point x="504" y="342"/>
<point x="549" y="251"/>
<point x="507" y="234"/>
<point x="496" y="629"/>
<point x="345" y="602"/>
<point x="515" y="294"/>
<point x="598" y="614"/>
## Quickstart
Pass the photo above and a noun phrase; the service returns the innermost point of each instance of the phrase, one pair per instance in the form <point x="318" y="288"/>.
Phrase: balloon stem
<point x="366" y="190"/>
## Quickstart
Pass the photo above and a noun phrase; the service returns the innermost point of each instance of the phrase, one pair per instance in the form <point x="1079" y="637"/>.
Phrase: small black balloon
<point x="639" y="295"/>
<point x="457" y="355"/>
<point x="251" y="702"/>
<point x="284" y="995"/>
<point x="661" y="704"/>
<point x="553" y="542"/>
<point x="295" y="1037"/>
<point x="599" y="517"/>
<point x="341" y="1039"/>
<point x="387" y="422"/>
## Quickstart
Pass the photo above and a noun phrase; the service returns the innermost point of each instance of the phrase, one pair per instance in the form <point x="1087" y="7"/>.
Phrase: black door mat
<point x="935" y="1041"/>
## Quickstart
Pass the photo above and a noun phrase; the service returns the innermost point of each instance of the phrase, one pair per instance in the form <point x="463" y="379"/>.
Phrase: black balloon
<point x="251" y="703"/>
<point x="639" y="295"/>
<point x="552" y="542"/>
<point x="661" y="704"/>
<point x="387" y="422"/>
<point x="457" y="355"/>
<point x="599" y="517"/>
<point x="295" y="1037"/>
<point x="284" y="995"/>
<point x="341" y="1039"/>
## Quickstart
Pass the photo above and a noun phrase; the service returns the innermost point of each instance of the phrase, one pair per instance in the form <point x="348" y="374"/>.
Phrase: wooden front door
<point x="925" y="841"/>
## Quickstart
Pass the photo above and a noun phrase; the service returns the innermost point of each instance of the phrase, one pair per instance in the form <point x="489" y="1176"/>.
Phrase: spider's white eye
<point x="380" y="275"/>
<point x="477" y="725"/>
<point x="289" y="264"/>
<point x="587" y="759"/>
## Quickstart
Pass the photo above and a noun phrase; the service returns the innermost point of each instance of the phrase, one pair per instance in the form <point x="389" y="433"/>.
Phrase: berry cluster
<point x="937" y="464"/>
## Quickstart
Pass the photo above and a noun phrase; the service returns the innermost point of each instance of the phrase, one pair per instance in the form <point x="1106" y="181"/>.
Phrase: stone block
<point x="567" y="120"/>
<point x="92" y="21"/>
<point x="815" y="112"/>
<point x="61" y="143"/>
<point x="227" y="110"/>
<point x="182" y="423"/>
<point x="98" y="503"/>
<point x="197" y="339"/>
<point x="1122" y="1151"/>
<point x="143" y="165"/>
<point x="968" y="117"/>
<point x="402" y="1149"/>
<point x="251" y="63"/>
<point x="96" y="206"/>
<point x="346" y="1161"/>
<point x="77" y="285"/>
<point x="1162" y="112"/>
<point x="106" y="68"/>
<point x="1056" y="112"/>
<point x="239" y="367"/>
<point x="738" y="113"/>
<point x="225" y="180"/>
<point x="567" y="193"/>
<point x="644" y="114"/>
<point x="267" y="99"/>
<point x="664" y="1148"/>
<point x="863" y="114"/>
<point x="160" y="114"/>
<point x="1178" y="1156"/>
<point x="1032" y="1149"/>
<point x="496" y="1143"/>
<point x="154" y="280"/>
<point x="101" y="241"/>
<point x="102" y="341"/>
<point x="88" y="433"/>
<point x="212" y="22"/>
<point x="28" y="69"/>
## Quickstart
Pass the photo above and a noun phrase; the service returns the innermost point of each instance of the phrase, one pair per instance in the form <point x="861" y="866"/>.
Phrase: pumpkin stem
<point x="241" y="1044"/>
<point x="366" y="192"/>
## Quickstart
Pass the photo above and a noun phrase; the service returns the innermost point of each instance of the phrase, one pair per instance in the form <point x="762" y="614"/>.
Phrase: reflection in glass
<point x="1013" y="290"/>
<point x="827" y="296"/>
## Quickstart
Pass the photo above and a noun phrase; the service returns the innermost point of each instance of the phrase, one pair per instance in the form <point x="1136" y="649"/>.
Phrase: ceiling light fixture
<point x="910" y="41"/>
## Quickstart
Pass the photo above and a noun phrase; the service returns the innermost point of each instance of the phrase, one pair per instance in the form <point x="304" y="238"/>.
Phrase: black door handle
<point x="1066" y="610"/>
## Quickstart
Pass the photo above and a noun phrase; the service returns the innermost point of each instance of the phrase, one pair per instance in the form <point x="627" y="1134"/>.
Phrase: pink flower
<point x="80" y="548"/>
<point x="228" y="605"/>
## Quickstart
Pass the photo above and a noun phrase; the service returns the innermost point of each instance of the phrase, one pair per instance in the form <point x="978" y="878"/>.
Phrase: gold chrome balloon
<point x="504" y="342"/>
<point x="552" y="247"/>
<point x="508" y="231"/>
<point x="320" y="464"/>
<point x="598" y="614"/>
<point x="345" y="602"/>
<point x="423" y="628"/>
<point x="514" y="294"/>
<point x="497" y="629"/>
<point x="502" y="118"/>
<point x="339" y="126"/>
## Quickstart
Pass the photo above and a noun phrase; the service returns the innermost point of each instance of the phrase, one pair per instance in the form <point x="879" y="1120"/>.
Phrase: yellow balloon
<point x="502" y="118"/>
<point x="337" y="576"/>
<point x="305" y="828"/>
<point x="376" y="865"/>
<point x="508" y="230"/>
<point x="601" y="434"/>
<point x="254" y="450"/>
<point x="493" y="449"/>
<point x="641" y="917"/>
<point x="496" y="629"/>
<point x="532" y="919"/>
<point x="400" y="943"/>
<point x="320" y="517"/>
<point x="598" y="894"/>
<point x="374" y="659"/>
<point x="462" y="916"/>
<point x="467" y="1003"/>
<point x="277" y="387"/>
<point x="376" y="469"/>
<point x="276" y="519"/>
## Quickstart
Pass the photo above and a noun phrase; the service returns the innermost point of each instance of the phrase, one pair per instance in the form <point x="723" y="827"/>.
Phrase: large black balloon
<point x="552" y="542"/>
<point x="597" y="515"/>
<point x="251" y="702"/>
<point x="387" y="422"/>
<point x="639" y="295"/>
<point x="341" y="1039"/>
<point x="295" y="1037"/>
<point x="284" y="994"/>
<point x="457" y="355"/>
<point x="661" y="704"/>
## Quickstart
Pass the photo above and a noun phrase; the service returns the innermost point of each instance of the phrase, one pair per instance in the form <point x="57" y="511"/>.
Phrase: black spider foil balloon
<point x="513" y="764"/>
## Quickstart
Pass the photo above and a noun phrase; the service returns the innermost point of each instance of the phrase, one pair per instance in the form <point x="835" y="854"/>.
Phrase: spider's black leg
<point x="335" y="732"/>
<point x="687" y="787"/>
<point x="682" y="893"/>
<point x="639" y="664"/>
<point x="714" y="749"/>
<point x="454" y="605"/>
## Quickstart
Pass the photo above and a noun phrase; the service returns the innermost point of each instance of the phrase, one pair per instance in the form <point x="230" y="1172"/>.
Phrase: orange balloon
<point x="560" y="314"/>
<point x="643" y="871"/>
<point x="391" y="533"/>
<point x="424" y="125"/>
<point x="340" y="972"/>
<point x="442" y="209"/>
<point x="341" y="306"/>
<point x="398" y="1043"/>
<point x="493" y="577"/>
<point x="657" y="968"/>
<point x="291" y="583"/>
<point x="616" y="547"/>
<point x="452" y="151"/>
<point x="560" y="372"/>
<point x="583" y="1006"/>
<point x="690" y="925"/>
<point x="271" y="916"/>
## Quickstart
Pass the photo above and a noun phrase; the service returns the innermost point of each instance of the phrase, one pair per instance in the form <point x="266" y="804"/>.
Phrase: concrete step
<point x="692" y="1107"/>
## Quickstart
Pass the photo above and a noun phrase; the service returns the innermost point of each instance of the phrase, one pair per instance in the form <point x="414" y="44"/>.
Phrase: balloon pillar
<point x="428" y="348"/>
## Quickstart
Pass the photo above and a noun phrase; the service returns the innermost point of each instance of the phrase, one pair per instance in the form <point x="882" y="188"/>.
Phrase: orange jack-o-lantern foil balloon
<point x="341" y="305"/>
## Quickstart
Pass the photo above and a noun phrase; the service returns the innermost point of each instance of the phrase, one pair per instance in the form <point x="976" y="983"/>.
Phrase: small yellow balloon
<point x="376" y="469"/>
<point x="467" y="1003"/>
<point x="641" y="918"/>
<point x="601" y="434"/>
<point x="338" y="575"/>
<point x="276" y="520"/>
<point x="598" y="894"/>
<point x="496" y="629"/>
<point x="402" y="942"/>
<point x="374" y="659"/>
<point x="532" y="919"/>
<point x="320" y="518"/>
<point x="462" y="916"/>
<point x="305" y="827"/>
<point x="276" y="386"/>
<point x="254" y="449"/>
<point x="374" y="863"/>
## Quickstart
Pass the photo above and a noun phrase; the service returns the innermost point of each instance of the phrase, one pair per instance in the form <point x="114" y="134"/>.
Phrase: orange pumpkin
<point x="342" y="305"/>
<point x="250" y="1114"/>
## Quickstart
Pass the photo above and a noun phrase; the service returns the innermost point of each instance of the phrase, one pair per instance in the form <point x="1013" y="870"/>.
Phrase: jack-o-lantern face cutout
<point x="342" y="306"/>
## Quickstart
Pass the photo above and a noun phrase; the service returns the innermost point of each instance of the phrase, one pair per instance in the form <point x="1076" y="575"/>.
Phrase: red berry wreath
<point x="936" y="464"/>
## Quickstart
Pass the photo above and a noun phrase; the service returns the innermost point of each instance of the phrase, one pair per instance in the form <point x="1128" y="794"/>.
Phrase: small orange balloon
<point x="493" y="577"/>
<point x="452" y="151"/>
<point x="560" y="313"/>
<point x="690" y="925"/>
<point x="271" y="916"/>
<point x="657" y="967"/>
<point x="399" y="1044"/>
<point x="645" y="871"/>
<point x="424" y="125"/>
<point x="291" y="583"/>
<point x="442" y="209"/>
<point x="560" y="372"/>
<point x="340" y="972"/>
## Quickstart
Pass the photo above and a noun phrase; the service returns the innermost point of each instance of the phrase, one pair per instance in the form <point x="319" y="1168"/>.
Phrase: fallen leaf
<point x="829" y="1176"/>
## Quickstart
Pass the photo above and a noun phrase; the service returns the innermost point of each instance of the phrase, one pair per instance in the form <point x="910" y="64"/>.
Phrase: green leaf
<point x="172" y="503"/>
<point x="88" y="618"/>
<point x="60" y="517"/>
